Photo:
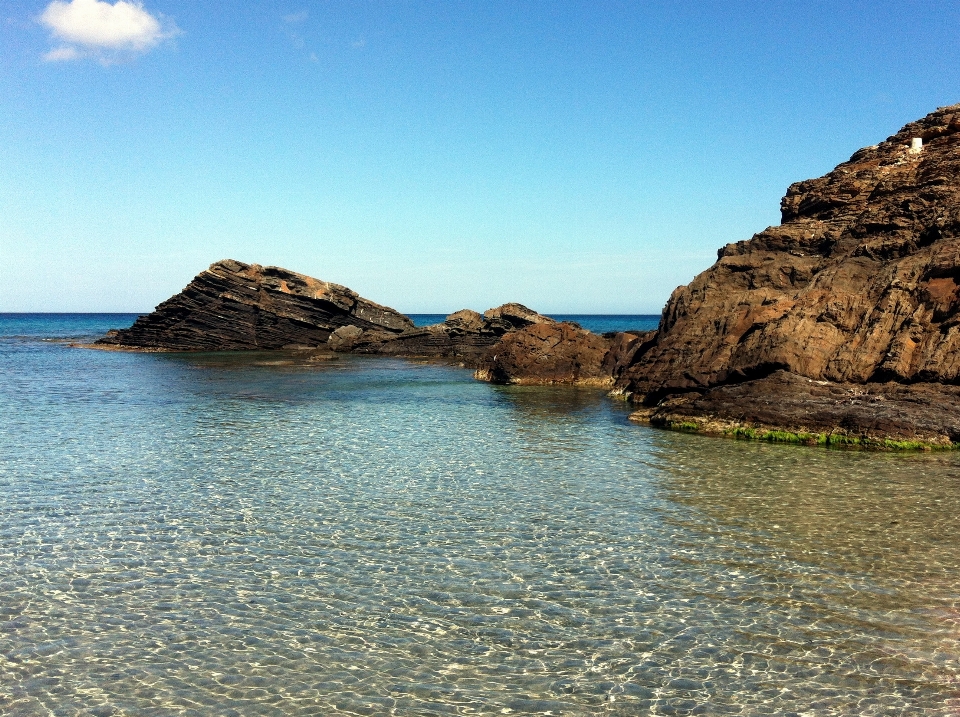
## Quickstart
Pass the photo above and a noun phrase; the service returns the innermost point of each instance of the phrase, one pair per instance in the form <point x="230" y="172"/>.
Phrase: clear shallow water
<point x="255" y="534"/>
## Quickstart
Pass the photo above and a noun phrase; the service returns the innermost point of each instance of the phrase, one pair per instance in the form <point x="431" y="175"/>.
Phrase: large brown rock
<point x="234" y="306"/>
<point x="558" y="353"/>
<point x="859" y="284"/>
<point x="237" y="306"/>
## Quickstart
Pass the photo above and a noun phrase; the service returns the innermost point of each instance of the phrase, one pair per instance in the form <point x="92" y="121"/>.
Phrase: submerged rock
<point x="236" y="306"/>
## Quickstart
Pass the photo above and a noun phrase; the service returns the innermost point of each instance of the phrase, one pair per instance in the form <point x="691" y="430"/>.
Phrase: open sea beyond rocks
<point x="257" y="534"/>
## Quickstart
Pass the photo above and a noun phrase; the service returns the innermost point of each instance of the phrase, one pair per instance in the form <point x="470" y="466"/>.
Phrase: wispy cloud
<point x="93" y="28"/>
<point x="294" y="28"/>
<point x="296" y="17"/>
<point x="62" y="54"/>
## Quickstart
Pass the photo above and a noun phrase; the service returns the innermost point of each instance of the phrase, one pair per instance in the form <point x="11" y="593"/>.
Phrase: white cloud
<point x="90" y="27"/>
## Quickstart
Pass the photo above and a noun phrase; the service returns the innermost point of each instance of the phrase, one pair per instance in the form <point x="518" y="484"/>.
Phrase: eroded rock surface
<point x="559" y="353"/>
<point x="237" y="306"/>
<point x="785" y="406"/>
<point x="465" y="335"/>
<point x="844" y="315"/>
<point x="860" y="283"/>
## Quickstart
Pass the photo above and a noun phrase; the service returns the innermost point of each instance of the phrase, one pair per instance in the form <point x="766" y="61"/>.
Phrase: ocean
<point x="256" y="534"/>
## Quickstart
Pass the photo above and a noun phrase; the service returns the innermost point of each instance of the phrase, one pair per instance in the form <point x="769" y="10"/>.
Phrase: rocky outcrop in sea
<point x="839" y="326"/>
<point x="560" y="353"/>
<point x="234" y="306"/>
<point x="842" y="321"/>
<point x="465" y="335"/>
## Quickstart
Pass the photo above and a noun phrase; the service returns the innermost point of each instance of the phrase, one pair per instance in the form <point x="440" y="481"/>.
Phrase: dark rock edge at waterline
<point x="787" y="408"/>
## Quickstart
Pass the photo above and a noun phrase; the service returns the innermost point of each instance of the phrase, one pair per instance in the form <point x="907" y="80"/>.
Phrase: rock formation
<point x="842" y="324"/>
<point x="792" y="408"/>
<point x="236" y="306"/>
<point x="858" y="287"/>
<point x="559" y="353"/>
<point x="464" y="335"/>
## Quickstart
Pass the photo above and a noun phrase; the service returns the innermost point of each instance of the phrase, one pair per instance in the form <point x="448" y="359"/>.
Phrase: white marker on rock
<point x="916" y="145"/>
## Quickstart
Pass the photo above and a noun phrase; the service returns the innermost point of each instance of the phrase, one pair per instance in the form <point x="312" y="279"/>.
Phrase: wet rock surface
<point x="859" y="287"/>
<point x="237" y="306"/>
<point x="788" y="407"/>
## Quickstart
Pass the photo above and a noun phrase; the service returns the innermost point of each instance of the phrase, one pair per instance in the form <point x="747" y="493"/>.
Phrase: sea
<point x="258" y="534"/>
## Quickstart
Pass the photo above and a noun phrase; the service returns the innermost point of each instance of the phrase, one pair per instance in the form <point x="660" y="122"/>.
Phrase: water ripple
<point x="210" y="534"/>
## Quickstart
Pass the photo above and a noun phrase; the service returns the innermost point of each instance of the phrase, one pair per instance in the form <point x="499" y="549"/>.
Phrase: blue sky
<point x="574" y="156"/>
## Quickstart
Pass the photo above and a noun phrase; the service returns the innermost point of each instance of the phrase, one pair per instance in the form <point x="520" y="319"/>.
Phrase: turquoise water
<point x="259" y="534"/>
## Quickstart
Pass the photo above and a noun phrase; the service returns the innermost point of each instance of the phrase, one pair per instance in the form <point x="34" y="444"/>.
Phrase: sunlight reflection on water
<point x="223" y="534"/>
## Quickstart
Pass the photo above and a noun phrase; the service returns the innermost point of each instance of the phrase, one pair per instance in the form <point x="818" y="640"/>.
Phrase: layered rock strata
<point x="237" y="306"/>
<point x="465" y="335"/>
<point x="858" y="287"/>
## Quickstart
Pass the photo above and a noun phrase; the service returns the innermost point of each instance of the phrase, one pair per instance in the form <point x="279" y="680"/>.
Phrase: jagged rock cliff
<point x="236" y="306"/>
<point x="860" y="284"/>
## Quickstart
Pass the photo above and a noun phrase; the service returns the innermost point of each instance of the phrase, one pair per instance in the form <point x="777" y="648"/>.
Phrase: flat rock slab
<point x="788" y="407"/>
